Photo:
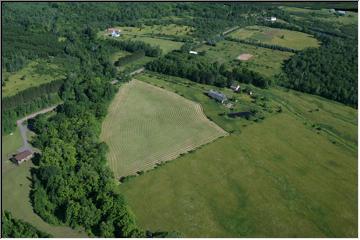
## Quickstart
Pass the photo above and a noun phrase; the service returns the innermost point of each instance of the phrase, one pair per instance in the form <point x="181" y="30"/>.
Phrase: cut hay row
<point x="147" y="125"/>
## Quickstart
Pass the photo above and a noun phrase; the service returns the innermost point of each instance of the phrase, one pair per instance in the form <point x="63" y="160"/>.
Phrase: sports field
<point x="276" y="36"/>
<point x="147" y="125"/>
<point x="264" y="61"/>
<point x="33" y="74"/>
<point x="277" y="178"/>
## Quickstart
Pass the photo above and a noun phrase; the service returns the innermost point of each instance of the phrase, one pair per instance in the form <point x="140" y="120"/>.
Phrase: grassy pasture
<point x="164" y="44"/>
<point x="33" y="74"/>
<point x="276" y="36"/>
<point x="277" y="178"/>
<point x="323" y="15"/>
<point x="264" y="61"/>
<point x="10" y="144"/>
<point x="147" y="125"/>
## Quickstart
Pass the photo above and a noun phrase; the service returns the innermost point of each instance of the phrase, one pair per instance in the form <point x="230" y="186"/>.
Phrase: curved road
<point x="23" y="128"/>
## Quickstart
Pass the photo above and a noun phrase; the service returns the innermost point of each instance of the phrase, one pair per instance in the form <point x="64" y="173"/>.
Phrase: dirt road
<point x="23" y="128"/>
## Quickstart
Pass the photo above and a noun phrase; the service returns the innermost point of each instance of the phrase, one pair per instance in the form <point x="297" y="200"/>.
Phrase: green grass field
<point x="141" y="112"/>
<point x="323" y="15"/>
<point x="169" y="30"/>
<point x="165" y="45"/>
<point x="33" y="74"/>
<point x="264" y="61"/>
<point x="276" y="36"/>
<point x="277" y="178"/>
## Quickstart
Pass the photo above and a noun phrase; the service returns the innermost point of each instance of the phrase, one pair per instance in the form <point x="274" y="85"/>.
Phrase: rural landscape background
<point x="183" y="119"/>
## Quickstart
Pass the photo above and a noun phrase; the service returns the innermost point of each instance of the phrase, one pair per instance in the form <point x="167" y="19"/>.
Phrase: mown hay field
<point x="148" y="125"/>
<point x="276" y="36"/>
<point x="277" y="178"/>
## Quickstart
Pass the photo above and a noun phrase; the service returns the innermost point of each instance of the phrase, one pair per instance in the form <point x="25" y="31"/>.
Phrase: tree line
<point x="129" y="58"/>
<point x="16" y="228"/>
<point x="136" y="46"/>
<point x="201" y="70"/>
<point x="263" y="45"/>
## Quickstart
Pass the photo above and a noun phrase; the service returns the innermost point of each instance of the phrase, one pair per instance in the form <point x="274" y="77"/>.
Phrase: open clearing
<point x="277" y="178"/>
<point x="33" y="74"/>
<point x="244" y="57"/>
<point x="276" y="36"/>
<point x="265" y="61"/>
<point x="16" y="186"/>
<point x="147" y="125"/>
<point x="165" y="45"/>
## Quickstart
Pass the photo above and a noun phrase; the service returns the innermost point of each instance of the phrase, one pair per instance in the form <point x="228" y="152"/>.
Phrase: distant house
<point x="217" y="96"/>
<point x="23" y="156"/>
<point x="235" y="87"/>
<point x="271" y="19"/>
<point x="340" y="12"/>
<point x="113" y="32"/>
<point x="193" y="52"/>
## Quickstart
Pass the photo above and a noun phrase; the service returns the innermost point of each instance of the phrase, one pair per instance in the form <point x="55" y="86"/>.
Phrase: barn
<point x="217" y="96"/>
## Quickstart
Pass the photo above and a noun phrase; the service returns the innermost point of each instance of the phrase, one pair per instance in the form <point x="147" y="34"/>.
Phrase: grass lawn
<point x="276" y="36"/>
<point x="34" y="74"/>
<point x="147" y="125"/>
<point x="323" y="15"/>
<point x="265" y="61"/>
<point x="277" y="178"/>
<point x="169" y="30"/>
<point x="165" y="45"/>
<point x="10" y="145"/>
<point x="16" y="190"/>
<point x="119" y="54"/>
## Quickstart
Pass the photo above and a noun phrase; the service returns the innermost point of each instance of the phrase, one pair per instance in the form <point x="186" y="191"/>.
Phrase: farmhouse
<point x="23" y="156"/>
<point x="113" y="32"/>
<point x="193" y="52"/>
<point x="270" y="19"/>
<point x="235" y="87"/>
<point x="340" y="12"/>
<point x="217" y="96"/>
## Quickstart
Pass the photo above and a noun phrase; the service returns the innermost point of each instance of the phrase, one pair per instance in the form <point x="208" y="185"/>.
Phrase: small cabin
<point x="217" y="96"/>
<point x="113" y="32"/>
<point x="193" y="52"/>
<point x="23" y="156"/>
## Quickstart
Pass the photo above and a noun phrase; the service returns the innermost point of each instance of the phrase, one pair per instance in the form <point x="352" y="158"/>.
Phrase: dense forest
<point x="330" y="71"/>
<point x="16" y="228"/>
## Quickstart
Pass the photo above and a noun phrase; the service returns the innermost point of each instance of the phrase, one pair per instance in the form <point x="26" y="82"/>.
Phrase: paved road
<point x="23" y="128"/>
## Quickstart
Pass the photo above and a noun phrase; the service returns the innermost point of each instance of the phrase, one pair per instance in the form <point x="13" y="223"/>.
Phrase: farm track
<point x="134" y="144"/>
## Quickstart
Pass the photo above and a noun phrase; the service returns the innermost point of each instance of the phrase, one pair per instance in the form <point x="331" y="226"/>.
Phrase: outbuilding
<point x="23" y="156"/>
<point x="193" y="52"/>
<point x="217" y="96"/>
<point x="235" y="87"/>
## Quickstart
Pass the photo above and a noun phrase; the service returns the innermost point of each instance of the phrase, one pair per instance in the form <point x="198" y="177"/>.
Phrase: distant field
<point x="169" y="30"/>
<point x="165" y="45"/>
<point x="119" y="54"/>
<point x="264" y="61"/>
<point x="34" y="74"/>
<point x="10" y="144"/>
<point x="276" y="36"/>
<point x="131" y="66"/>
<point x="323" y="15"/>
<point x="146" y="125"/>
<point x="277" y="178"/>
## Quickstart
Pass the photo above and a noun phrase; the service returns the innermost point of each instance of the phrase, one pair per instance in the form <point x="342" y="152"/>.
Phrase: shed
<point x="23" y="156"/>
<point x="340" y="12"/>
<point x="193" y="52"/>
<point x="217" y="96"/>
<point x="235" y="87"/>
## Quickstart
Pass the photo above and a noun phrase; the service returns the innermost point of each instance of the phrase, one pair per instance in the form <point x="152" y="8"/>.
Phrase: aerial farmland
<point x="179" y="119"/>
